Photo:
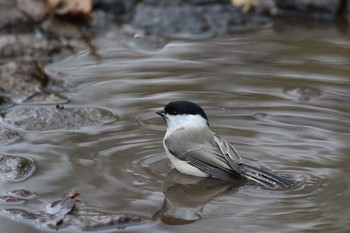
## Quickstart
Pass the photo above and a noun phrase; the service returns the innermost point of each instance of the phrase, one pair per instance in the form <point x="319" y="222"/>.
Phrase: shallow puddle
<point x="280" y="95"/>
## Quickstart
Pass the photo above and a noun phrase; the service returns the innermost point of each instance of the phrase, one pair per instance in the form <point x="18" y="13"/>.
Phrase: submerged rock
<point x="17" y="196"/>
<point x="303" y="94"/>
<point x="192" y="19"/>
<point x="15" y="168"/>
<point x="57" y="118"/>
<point x="83" y="219"/>
<point x="71" y="212"/>
<point x="22" y="81"/>
<point x="8" y="136"/>
<point x="22" y="193"/>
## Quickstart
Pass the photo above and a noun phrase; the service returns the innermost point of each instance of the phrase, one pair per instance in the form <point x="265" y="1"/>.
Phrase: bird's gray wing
<point x="205" y="156"/>
<point x="214" y="164"/>
<point x="227" y="148"/>
<point x="229" y="153"/>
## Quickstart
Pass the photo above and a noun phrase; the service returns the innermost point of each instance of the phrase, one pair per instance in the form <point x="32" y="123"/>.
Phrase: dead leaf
<point x="245" y="4"/>
<point x="71" y="7"/>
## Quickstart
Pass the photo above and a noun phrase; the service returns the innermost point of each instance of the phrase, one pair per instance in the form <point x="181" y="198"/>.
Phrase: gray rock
<point x="316" y="9"/>
<point x="17" y="196"/>
<point x="24" y="46"/>
<point x="121" y="10"/>
<point x="10" y="15"/>
<point x="15" y="168"/>
<point x="303" y="94"/>
<point x="56" y="118"/>
<point x="192" y="19"/>
<point x="8" y="136"/>
<point x="72" y="212"/>
<point x="27" y="82"/>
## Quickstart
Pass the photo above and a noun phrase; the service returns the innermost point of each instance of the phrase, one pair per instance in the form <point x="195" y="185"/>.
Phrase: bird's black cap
<point x="182" y="108"/>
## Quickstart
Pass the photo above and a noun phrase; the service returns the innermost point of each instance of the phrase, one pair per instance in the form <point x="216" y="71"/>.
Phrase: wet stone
<point x="22" y="193"/>
<point x="47" y="98"/>
<point x="121" y="10"/>
<point x="193" y="19"/>
<point x="314" y="9"/>
<point x="57" y="118"/>
<point x="72" y="212"/>
<point x="29" y="46"/>
<point x="303" y="93"/>
<point x="8" y="136"/>
<point x="15" y="168"/>
<point x="17" y="196"/>
<point x="31" y="30"/>
<point x="23" y="81"/>
<point x="11" y="199"/>
<point x="10" y="15"/>
<point x="87" y="220"/>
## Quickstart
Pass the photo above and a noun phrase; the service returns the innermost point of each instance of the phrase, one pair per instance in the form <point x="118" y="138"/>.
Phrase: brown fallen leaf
<point x="63" y="206"/>
<point x="72" y="7"/>
<point x="59" y="209"/>
<point x="39" y="10"/>
<point x="245" y="4"/>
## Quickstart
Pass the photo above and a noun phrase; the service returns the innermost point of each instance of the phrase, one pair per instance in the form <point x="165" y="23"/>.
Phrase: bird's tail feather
<point x="264" y="178"/>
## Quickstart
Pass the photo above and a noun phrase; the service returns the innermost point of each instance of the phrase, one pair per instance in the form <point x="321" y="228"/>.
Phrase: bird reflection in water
<point x="186" y="196"/>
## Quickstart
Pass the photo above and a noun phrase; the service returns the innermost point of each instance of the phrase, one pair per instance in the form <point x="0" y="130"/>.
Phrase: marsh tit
<point x="195" y="150"/>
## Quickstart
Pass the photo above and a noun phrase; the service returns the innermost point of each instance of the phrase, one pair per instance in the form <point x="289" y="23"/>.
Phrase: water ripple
<point x="282" y="101"/>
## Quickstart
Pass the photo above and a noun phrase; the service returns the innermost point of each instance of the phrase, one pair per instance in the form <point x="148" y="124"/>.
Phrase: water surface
<point x="280" y="95"/>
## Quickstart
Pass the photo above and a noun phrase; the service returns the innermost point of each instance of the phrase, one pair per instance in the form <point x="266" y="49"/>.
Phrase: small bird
<point x="195" y="150"/>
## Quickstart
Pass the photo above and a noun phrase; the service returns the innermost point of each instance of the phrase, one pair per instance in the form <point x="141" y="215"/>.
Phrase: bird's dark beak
<point x="161" y="113"/>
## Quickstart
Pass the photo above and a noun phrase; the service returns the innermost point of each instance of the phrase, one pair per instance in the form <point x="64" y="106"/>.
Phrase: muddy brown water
<point x="280" y="95"/>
